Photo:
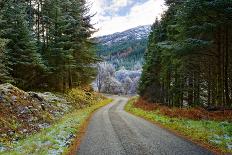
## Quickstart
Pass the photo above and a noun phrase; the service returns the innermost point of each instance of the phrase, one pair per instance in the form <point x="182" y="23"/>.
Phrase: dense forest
<point x="124" y="49"/>
<point x="122" y="54"/>
<point x="125" y="54"/>
<point x="45" y="44"/>
<point x="189" y="56"/>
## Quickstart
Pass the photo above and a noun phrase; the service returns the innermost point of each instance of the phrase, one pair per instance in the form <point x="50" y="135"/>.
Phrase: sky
<point x="119" y="15"/>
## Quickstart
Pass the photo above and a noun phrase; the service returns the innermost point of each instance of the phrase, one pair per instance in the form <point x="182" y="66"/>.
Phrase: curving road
<point x="112" y="131"/>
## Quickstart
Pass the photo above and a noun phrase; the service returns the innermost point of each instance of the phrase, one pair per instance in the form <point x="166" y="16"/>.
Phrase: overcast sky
<point x="119" y="15"/>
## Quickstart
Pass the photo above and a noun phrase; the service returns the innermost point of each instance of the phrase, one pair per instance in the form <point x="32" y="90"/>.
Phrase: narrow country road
<point x="112" y="131"/>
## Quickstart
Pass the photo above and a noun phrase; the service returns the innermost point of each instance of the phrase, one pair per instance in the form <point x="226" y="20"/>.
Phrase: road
<point x="112" y="131"/>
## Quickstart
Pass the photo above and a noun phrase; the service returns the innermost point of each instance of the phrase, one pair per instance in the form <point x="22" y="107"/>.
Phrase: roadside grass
<point x="215" y="135"/>
<point x="57" y="138"/>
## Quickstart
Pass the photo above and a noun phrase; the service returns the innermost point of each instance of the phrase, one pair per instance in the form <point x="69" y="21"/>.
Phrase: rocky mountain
<point x="124" y="49"/>
<point x="137" y="33"/>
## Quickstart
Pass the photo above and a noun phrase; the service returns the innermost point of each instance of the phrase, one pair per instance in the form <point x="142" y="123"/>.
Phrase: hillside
<point x="125" y="48"/>
<point x="33" y="122"/>
<point x="29" y="112"/>
<point x="122" y="54"/>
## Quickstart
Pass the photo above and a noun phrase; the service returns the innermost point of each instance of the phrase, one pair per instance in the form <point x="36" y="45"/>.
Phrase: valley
<point x="115" y="77"/>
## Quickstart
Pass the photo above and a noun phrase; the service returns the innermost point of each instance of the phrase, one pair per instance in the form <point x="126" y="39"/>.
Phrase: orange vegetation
<point x="190" y="113"/>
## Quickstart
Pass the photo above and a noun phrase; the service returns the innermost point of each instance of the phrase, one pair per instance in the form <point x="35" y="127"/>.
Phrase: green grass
<point x="218" y="134"/>
<point x="57" y="138"/>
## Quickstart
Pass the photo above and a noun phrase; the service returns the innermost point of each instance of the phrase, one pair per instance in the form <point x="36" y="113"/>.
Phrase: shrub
<point x="80" y="98"/>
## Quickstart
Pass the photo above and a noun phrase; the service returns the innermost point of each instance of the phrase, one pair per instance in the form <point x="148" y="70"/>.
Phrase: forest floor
<point x="43" y="123"/>
<point x="212" y="130"/>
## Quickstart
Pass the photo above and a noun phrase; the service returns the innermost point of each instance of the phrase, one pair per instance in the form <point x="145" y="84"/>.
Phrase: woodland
<point x="46" y="44"/>
<point x="123" y="54"/>
<point x="189" y="57"/>
<point x="52" y="74"/>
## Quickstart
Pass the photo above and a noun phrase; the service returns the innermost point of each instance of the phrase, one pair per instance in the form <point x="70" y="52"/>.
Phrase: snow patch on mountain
<point x="136" y="33"/>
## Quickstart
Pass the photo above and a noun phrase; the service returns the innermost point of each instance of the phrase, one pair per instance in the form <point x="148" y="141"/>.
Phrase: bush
<point x="80" y="98"/>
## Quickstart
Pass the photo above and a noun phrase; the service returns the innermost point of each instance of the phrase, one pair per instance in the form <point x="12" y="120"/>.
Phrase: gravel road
<point x="112" y="131"/>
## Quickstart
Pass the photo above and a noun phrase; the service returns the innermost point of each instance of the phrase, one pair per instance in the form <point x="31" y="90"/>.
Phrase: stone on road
<point x="112" y="131"/>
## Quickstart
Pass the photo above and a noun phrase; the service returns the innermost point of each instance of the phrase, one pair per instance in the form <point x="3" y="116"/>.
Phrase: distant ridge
<point x="124" y="49"/>
<point x="137" y="33"/>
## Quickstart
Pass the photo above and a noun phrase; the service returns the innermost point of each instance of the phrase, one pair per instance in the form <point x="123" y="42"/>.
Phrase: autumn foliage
<point x="190" y="113"/>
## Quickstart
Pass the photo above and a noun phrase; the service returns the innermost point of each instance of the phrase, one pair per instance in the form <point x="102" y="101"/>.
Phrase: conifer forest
<point x="46" y="44"/>
<point x="189" y="55"/>
<point x="115" y="77"/>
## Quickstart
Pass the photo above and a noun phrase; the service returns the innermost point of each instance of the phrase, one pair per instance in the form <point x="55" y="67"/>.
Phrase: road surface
<point x="112" y="131"/>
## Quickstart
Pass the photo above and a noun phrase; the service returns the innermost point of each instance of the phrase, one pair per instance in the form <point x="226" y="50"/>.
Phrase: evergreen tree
<point x="188" y="57"/>
<point x="69" y="50"/>
<point x="4" y="71"/>
<point x="51" y="33"/>
<point x="23" y="57"/>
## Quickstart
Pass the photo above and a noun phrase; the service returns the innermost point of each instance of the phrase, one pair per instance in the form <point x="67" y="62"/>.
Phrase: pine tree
<point x="49" y="43"/>
<point x="24" y="59"/>
<point x="4" y="71"/>
<point x="188" y="58"/>
<point x="69" y="51"/>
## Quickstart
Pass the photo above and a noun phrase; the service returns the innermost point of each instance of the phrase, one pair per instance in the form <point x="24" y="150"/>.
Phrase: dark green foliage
<point x="127" y="53"/>
<point x="189" y="55"/>
<point x="66" y="45"/>
<point x="23" y="58"/>
<point x="49" y="45"/>
<point x="4" y="74"/>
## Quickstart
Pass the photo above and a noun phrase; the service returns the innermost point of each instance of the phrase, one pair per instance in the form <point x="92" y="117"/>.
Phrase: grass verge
<point x="57" y="138"/>
<point x="214" y="135"/>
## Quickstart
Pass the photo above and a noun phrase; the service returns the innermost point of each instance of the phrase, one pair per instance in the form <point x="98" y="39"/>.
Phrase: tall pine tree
<point x="192" y="63"/>
<point x="21" y="48"/>
<point x="4" y="70"/>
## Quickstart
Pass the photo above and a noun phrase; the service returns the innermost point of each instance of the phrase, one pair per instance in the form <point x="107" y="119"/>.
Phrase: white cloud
<point x="120" y="3"/>
<point x="140" y="14"/>
<point x="117" y="4"/>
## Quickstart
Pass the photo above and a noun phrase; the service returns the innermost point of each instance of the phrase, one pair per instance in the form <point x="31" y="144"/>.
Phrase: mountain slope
<point x="137" y="33"/>
<point x="125" y="48"/>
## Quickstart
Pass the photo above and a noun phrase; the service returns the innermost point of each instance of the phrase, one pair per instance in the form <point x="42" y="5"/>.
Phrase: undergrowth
<point x="216" y="133"/>
<point x="57" y="138"/>
<point x="81" y="99"/>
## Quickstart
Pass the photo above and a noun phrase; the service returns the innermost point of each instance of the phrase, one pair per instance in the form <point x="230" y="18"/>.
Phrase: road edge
<point x="201" y="144"/>
<point x="75" y="145"/>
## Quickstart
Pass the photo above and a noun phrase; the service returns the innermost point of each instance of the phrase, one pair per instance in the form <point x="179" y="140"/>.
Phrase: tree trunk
<point x="219" y="69"/>
<point x="190" y="90"/>
<point x="38" y="22"/>
<point x="226" y="68"/>
<point x="209" y="85"/>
